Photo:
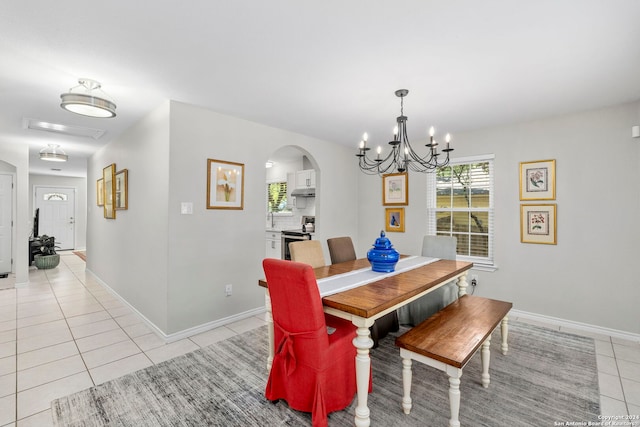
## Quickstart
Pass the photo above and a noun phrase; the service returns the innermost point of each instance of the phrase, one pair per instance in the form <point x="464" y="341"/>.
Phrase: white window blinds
<point x="460" y="204"/>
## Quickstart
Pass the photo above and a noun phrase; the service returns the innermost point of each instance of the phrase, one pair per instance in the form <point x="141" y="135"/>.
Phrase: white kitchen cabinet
<point x="306" y="178"/>
<point x="273" y="244"/>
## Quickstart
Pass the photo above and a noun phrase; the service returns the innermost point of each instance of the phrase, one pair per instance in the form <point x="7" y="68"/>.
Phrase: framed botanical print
<point x="109" y="177"/>
<point x="225" y="185"/>
<point x="538" y="223"/>
<point x="395" y="189"/>
<point x="394" y="219"/>
<point x="100" y="192"/>
<point x="538" y="180"/>
<point x="122" y="189"/>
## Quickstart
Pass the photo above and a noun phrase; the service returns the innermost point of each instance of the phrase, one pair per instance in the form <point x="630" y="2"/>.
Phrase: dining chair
<point x="313" y="367"/>
<point x="308" y="252"/>
<point x="340" y="250"/>
<point x="443" y="247"/>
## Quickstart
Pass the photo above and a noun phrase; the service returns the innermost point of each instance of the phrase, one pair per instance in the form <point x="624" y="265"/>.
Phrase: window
<point x="277" y="197"/>
<point x="55" y="197"/>
<point x="460" y="204"/>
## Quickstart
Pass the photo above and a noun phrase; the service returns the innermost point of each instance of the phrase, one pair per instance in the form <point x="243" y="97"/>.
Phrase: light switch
<point x="186" y="208"/>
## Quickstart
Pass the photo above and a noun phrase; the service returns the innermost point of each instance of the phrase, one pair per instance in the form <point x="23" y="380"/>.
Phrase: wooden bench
<point x="448" y="339"/>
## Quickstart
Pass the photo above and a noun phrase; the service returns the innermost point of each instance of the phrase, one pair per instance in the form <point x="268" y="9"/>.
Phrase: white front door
<point x="57" y="214"/>
<point x="6" y="200"/>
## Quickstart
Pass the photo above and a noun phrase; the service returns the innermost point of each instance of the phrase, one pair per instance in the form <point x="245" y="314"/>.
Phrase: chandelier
<point x="402" y="157"/>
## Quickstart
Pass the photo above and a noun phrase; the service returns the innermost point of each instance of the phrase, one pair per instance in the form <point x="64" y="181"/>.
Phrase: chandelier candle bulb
<point x="379" y="151"/>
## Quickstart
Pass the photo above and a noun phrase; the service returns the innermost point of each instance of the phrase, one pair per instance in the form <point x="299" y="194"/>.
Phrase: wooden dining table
<point x="364" y="304"/>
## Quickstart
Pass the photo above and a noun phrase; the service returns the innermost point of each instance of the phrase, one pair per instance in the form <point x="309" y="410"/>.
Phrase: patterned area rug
<point x="546" y="377"/>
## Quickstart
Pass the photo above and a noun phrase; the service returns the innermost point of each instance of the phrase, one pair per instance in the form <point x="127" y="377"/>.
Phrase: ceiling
<point x="328" y="69"/>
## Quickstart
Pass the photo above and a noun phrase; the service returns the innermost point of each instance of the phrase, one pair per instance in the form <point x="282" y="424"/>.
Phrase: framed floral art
<point x="538" y="180"/>
<point x="225" y="185"/>
<point x="538" y="224"/>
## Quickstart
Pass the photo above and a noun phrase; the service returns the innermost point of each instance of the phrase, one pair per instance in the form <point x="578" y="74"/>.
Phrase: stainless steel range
<point x="296" y="235"/>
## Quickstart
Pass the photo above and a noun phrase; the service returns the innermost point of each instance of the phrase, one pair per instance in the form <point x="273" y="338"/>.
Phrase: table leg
<point x="362" y="343"/>
<point x="462" y="285"/>
<point x="267" y="304"/>
<point x="504" y="331"/>
<point x="485" y="355"/>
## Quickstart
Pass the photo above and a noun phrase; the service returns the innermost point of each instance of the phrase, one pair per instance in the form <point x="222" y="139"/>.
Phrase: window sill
<point x="486" y="267"/>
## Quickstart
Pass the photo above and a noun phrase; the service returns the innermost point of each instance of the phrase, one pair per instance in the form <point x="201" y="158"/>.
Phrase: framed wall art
<point x="100" y="192"/>
<point x="394" y="219"/>
<point x="109" y="177"/>
<point x="225" y="185"/>
<point x="122" y="189"/>
<point x="395" y="189"/>
<point x="538" y="180"/>
<point x="538" y="223"/>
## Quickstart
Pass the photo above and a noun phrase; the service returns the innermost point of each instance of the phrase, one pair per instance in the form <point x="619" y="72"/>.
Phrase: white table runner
<point x="345" y="281"/>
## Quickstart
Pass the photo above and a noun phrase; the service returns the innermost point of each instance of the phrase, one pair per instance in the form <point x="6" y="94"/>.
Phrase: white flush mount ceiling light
<point x="53" y="153"/>
<point x="88" y="99"/>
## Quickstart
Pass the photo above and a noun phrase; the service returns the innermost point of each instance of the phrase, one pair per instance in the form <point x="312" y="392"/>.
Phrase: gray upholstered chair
<point x="340" y="250"/>
<point x="443" y="247"/>
<point x="308" y="252"/>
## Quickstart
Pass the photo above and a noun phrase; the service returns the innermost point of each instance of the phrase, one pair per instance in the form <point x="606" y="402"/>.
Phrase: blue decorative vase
<point x="382" y="256"/>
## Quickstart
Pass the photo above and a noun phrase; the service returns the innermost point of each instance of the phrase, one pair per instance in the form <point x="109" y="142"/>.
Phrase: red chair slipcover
<point x="312" y="370"/>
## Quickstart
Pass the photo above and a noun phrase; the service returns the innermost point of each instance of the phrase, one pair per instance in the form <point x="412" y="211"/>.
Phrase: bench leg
<point x="485" y="355"/>
<point x="454" y="395"/>
<point x="406" y="385"/>
<point x="504" y="330"/>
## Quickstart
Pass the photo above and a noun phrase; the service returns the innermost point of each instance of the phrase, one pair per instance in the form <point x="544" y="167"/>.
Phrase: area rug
<point x="546" y="377"/>
<point x="81" y="254"/>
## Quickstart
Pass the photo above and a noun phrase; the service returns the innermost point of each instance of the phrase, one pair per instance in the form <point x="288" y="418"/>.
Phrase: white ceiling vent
<point x="80" y="131"/>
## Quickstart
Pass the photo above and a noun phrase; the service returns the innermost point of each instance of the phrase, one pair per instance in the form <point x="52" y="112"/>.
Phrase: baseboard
<point x="169" y="338"/>
<point x="578" y="326"/>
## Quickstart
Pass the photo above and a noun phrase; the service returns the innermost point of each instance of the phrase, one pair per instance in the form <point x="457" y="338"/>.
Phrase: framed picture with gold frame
<point x="225" y="185"/>
<point x="395" y="189"/>
<point x="100" y="192"/>
<point x="538" y="180"/>
<point x="109" y="177"/>
<point x="538" y="224"/>
<point x="394" y="219"/>
<point x="122" y="189"/>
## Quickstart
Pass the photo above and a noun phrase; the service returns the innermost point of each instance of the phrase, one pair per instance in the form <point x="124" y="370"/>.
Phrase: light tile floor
<point x="64" y="332"/>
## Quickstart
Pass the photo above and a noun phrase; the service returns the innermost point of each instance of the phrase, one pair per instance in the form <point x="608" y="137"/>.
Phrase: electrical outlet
<point x="474" y="280"/>
<point x="228" y="290"/>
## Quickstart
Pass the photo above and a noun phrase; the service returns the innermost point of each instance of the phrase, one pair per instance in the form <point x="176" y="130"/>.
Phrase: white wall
<point x="130" y="254"/>
<point x="173" y="267"/>
<point x="590" y="276"/>
<point x="80" y="241"/>
<point x="17" y="155"/>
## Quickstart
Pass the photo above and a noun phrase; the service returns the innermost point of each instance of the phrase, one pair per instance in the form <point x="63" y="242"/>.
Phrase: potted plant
<point x="46" y="256"/>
